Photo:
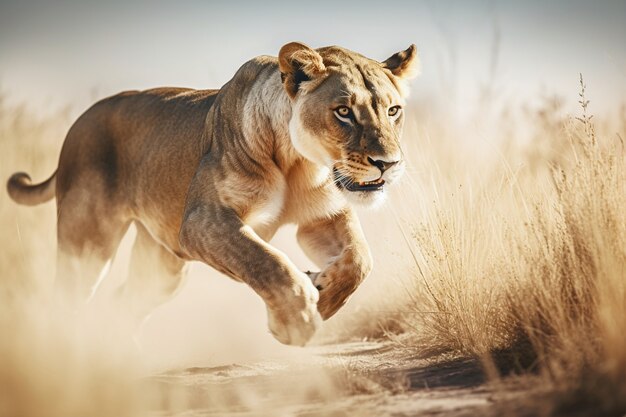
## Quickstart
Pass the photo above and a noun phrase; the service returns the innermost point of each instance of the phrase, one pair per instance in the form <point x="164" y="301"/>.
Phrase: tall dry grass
<point x="524" y="264"/>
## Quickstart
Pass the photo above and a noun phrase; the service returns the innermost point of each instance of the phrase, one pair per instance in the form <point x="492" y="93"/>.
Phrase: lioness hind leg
<point x="154" y="276"/>
<point x="87" y="241"/>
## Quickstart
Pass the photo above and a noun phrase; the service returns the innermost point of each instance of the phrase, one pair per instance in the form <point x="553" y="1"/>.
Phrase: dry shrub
<point x="530" y="270"/>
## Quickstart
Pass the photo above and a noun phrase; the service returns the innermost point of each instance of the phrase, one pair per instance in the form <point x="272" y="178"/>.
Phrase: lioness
<point x="210" y="175"/>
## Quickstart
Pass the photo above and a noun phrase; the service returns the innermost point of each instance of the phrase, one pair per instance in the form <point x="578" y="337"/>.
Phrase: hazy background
<point x="55" y="54"/>
<point x="61" y="56"/>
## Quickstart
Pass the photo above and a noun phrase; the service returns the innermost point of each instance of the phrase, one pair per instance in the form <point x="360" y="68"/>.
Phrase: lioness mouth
<point x="349" y="184"/>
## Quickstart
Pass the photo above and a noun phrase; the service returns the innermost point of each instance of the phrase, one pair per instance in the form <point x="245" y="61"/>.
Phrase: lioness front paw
<point x="296" y="321"/>
<point x="333" y="295"/>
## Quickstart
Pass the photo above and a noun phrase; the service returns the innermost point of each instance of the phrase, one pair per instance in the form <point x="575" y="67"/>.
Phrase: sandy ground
<point x="216" y="358"/>
<point x="351" y="379"/>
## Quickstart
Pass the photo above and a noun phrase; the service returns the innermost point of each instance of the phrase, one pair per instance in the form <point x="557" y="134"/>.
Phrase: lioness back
<point x="142" y="147"/>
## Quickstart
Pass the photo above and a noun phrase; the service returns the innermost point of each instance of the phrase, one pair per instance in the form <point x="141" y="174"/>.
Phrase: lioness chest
<point x="301" y="195"/>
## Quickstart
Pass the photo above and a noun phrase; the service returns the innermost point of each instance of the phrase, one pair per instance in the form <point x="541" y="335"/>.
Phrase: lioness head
<point x="347" y="114"/>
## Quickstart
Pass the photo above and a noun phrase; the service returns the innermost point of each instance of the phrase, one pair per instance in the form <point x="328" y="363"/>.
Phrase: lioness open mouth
<point x="341" y="181"/>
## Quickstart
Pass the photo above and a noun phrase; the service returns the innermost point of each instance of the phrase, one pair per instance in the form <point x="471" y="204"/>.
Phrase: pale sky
<point x="57" y="53"/>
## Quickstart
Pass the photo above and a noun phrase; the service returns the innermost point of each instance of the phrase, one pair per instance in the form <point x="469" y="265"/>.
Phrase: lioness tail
<point x="23" y="192"/>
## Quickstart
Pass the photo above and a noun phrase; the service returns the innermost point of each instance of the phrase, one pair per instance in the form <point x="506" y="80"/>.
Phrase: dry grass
<point x="526" y="268"/>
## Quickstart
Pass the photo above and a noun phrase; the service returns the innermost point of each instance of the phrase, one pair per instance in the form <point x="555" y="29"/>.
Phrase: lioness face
<point x="349" y="118"/>
<point x="352" y="124"/>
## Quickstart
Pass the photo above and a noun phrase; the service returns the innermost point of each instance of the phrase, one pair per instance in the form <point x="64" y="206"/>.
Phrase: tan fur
<point x="211" y="175"/>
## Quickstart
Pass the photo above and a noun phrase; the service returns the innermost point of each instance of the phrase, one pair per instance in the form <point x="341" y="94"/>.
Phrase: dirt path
<point x="352" y="379"/>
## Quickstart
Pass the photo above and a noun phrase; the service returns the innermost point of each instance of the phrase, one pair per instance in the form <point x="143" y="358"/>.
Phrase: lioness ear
<point x="404" y="64"/>
<point x="298" y="63"/>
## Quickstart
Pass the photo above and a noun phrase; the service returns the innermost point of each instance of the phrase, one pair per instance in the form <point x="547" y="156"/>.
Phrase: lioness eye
<point x="343" y="111"/>
<point x="344" y="114"/>
<point x="394" y="110"/>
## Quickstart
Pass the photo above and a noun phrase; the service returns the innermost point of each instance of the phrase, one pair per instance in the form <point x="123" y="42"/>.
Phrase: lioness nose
<point x="382" y="165"/>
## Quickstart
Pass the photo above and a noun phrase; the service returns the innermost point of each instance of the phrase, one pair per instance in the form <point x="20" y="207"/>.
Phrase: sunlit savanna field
<point x="499" y="285"/>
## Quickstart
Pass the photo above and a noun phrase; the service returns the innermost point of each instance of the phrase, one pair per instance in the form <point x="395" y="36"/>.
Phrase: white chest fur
<point x="269" y="206"/>
<point x="311" y="194"/>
